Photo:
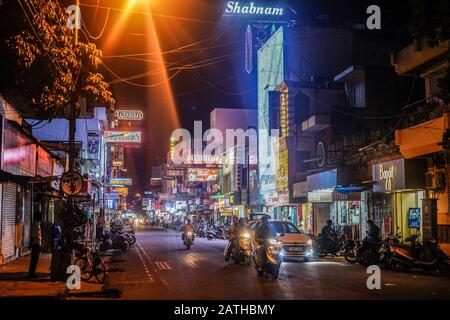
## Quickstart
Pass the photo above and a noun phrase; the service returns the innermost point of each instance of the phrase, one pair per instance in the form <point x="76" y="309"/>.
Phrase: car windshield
<point x="282" y="227"/>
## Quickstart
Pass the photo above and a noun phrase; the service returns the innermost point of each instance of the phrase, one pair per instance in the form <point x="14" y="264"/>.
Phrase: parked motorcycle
<point x="273" y="259"/>
<point x="333" y="246"/>
<point x="374" y="252"/>
<point x="351" y="247"/>
<point x="242" y="253"/>
<point x="215" y="233"/>
<point x="188" y="239"/>
<point x="426" y="256"/>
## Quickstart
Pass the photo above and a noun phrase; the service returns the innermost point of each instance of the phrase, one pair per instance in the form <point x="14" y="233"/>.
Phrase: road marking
<point x="162" y="265"/>
<point x="151" y="262"/>
<point x="149" y="275"/>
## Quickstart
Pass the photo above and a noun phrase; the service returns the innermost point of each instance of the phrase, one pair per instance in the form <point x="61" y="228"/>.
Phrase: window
<point x="282" y="227"/>
<point x="356" y="95"/>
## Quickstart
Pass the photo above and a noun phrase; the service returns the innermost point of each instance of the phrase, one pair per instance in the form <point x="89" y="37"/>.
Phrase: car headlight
<point x="309" y="242"/>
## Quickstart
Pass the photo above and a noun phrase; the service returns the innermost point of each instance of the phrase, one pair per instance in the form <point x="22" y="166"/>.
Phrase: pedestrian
<point x="35" y="244"/>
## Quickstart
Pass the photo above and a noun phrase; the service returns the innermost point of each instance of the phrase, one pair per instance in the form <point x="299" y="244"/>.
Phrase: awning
<point x="22" y="180"/>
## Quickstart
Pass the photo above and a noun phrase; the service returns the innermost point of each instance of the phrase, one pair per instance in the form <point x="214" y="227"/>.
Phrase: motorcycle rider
<point x="233" y="235"/>
<point x="373" y="234"/>
<point x="187" y="227"/>
<point x="327" y="234"/>
<point x="262" y="233"/>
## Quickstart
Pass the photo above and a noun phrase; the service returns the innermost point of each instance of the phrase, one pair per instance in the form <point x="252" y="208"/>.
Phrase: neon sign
<point x="123" y="137"/>
<point x="235" y="8"/>
<point x="130" y="115"/>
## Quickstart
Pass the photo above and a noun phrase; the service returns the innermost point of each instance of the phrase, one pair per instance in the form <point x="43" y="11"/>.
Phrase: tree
<point x="431" y="21"/>
<point x="43" y="68"/>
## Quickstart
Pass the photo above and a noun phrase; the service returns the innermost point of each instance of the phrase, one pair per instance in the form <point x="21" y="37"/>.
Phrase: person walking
<point x="35" y="244"/>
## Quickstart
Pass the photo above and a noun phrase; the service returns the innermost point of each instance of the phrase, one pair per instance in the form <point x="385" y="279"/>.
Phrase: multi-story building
<point x="420" y="138"/>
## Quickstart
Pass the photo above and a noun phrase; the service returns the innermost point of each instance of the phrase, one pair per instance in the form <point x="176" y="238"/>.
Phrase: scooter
<point x="273" y="258"/>
<point x="427" y="256"/>
<point x="188" y="239"/>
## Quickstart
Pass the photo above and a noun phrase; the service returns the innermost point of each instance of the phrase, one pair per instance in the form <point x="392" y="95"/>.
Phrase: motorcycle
<point x="273" y="260"/>
<point x="242" y="253"/>
<point x="351" y="247"/>
<point x="374" y="252"/>
<point x="333" y="246"/>
<point x="188" y="239"/>
<point x="215" y="233"/>
<point x="112" y="241"/>
<point x="427" y="256"/>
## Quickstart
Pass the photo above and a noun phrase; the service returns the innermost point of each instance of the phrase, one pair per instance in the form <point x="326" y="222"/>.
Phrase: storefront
<point x="399" y="193"/>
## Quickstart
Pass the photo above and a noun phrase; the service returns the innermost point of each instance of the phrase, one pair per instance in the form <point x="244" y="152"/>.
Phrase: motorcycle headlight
<point x="309" y="242"/>
<point x="272" y="241"/>
<point x="189" y="233"/>
<point x="246" y="236"/>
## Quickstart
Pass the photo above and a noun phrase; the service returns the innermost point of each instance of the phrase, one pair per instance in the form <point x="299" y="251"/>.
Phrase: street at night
<point x="202" y="274"/>
<point x="215" y="158"/>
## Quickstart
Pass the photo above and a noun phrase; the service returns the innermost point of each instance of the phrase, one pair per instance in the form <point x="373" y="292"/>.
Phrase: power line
<point x="102" y="30"/>
<point x="153" y="14"/>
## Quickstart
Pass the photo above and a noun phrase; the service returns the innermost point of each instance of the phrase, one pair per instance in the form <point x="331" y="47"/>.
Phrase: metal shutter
<point x="8" y="219"/>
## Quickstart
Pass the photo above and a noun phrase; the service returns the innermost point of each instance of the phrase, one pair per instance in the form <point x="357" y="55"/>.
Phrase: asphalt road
<point x="159" y="267"/>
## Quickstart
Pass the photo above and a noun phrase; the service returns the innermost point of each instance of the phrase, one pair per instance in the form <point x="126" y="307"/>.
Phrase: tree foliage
<point x="43" y="67"/>
<point x="431" y="20"/>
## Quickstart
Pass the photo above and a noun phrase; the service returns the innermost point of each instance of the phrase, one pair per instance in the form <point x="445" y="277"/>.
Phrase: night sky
<point x="206" y="74"/>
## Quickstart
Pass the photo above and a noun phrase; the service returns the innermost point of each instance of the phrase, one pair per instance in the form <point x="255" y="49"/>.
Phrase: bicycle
<point x="91" y="265"/>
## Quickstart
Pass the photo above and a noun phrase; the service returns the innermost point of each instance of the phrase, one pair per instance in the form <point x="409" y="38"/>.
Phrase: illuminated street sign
<point x="130" y="115"/>
<point x="234" y="8"/>
<point x="121" y="181"/>
<point x="117" y="163"/>
<point x="123" y="136"/>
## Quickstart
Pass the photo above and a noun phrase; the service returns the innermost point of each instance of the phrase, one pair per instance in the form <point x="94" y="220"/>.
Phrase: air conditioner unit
<point x="435" y="180"/>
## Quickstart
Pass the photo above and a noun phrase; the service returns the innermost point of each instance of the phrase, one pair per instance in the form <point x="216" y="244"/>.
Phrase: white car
<point x="294" y="244"/>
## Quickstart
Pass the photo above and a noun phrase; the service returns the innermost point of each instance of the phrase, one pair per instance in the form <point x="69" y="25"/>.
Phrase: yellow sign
<point x="282" y="170"/>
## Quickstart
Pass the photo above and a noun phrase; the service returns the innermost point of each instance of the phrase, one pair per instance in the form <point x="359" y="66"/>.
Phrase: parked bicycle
<point x="91" y="265"/>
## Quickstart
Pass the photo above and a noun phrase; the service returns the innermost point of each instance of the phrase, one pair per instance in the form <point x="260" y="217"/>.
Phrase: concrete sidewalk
<point x="14" y="282"/>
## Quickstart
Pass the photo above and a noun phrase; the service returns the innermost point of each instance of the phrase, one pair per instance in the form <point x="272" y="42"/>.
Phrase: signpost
<point x="71" y="183"/>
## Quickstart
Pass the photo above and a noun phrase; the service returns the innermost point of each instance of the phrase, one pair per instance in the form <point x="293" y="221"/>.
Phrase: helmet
<point x="241" y="221"/>
<point x="329" y="222"/>
<point x="265" y="219"/>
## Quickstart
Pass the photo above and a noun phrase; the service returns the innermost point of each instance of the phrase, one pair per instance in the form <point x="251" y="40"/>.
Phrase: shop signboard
<point x="389" y="176"/>
<point x="112" y="196"/>
<point x="71" y="183"/>
<point x="19" y="151"/>
<point x="117" y="163"/>
<point x="282" y="169"/>
<point x="93" y="142"/>
<point x="398" y="175"/>
<point x="346" y="196"/>
<point x="320" y="196"/>
<point x="44" y="163"/>
<point x="130" y="115"/>
<point x="123" y="136"/>
<point x="121" y="190"/>
<point x="121" y="181"/>
<point x="202" y="174"/>
<point x="429" y="228"/>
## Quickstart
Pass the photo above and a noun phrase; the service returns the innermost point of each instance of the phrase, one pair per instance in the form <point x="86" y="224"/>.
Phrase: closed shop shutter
<point x="27" y="219"/>
<point x="8" y="220"/>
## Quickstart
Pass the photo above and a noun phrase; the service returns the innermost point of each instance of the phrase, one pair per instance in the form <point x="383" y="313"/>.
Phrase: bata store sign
<point x="398" y="175"/>
<point x="389" y="176"/>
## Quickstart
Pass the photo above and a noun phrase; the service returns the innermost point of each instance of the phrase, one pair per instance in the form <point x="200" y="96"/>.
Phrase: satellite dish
<point x="320" y="154"/>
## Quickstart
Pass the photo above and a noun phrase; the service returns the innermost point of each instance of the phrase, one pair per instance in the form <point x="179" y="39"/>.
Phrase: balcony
<point x="416" y="55"/>
<point x="423" y="138"/>
<point x="316" y="123"/>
